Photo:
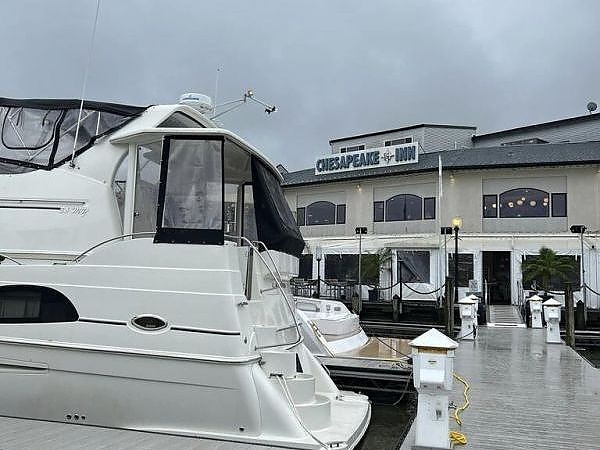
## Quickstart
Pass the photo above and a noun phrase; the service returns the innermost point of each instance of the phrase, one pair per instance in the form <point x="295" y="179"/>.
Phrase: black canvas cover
<point x="40" y="133"/>
<point x="275" y="224"/>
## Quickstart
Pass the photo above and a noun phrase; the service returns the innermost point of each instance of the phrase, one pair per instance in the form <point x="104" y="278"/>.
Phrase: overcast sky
<point x="333" y="68"/>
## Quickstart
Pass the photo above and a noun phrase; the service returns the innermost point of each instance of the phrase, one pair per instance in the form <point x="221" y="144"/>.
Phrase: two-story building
<point x="514" y="190"/>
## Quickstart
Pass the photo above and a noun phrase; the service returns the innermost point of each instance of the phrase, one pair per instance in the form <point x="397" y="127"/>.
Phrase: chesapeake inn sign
<point x="370" y="157"/>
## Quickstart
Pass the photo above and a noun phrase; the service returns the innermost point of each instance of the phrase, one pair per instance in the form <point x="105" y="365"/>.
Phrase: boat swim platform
<point x="524" y="393"/>
<point x="382" y="366"/>
<point x="25" y="434"/>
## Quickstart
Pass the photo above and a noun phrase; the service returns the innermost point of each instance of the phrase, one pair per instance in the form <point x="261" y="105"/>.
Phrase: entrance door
<point x="496" y="271"/>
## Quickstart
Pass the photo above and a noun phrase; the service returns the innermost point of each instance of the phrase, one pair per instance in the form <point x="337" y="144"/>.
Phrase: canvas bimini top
<point x="40" y="133"/>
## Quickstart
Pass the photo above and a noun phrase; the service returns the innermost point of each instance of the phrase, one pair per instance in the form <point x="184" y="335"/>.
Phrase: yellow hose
<point x="455" y="436"/>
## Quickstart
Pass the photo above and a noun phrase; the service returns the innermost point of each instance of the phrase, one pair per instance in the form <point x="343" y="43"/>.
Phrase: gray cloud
<point x="333" y="68"/>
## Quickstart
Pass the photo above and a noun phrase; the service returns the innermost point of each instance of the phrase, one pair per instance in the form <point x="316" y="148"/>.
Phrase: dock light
<point x="580" y="230"/>
<point x="360" y="231"/>
<point x="319" y="257"/>
<point x="456" y="225"/>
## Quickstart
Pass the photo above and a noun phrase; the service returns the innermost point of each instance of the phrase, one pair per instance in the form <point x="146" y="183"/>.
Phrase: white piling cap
<point x="434" y="339"/>
<point x="551" y="302"/>
<point x="535" y="298"/>
<point x="467" y="301"/>
<point x="473" y="297"/>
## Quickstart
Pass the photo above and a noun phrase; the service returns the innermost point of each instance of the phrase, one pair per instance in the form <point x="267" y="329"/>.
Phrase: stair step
<point x="302" y="388"/>
<point x="316" y="414"/>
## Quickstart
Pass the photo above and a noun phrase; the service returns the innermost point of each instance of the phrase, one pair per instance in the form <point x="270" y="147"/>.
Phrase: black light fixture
<point x="446" y="230"/>
<point x="360" y="231"/>
<point x="319" y="257"/>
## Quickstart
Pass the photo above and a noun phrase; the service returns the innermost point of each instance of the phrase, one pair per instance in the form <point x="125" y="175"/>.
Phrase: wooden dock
<point x="524" y="393"/>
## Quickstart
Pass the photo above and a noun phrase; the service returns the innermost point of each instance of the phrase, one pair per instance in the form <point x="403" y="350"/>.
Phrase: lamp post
<point x="580" y="229"/>
<point x="456" y="224"/>
<point x="360" y="231"/>
<point x="446" y="231"/>
<point x="319" y="256"/>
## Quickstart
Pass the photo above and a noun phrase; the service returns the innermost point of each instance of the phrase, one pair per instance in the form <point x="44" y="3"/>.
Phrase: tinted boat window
<point x="146" y="187"/>
<point x="34" y="304"/>
<point x="179" y="120"/>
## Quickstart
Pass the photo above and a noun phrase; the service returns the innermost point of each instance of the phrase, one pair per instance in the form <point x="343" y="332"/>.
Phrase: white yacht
<point x="132" y="293"/>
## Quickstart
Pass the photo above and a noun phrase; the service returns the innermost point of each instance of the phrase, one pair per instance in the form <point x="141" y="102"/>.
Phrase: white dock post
<point x="433" y="364"/>
<point x="535" y="306"/>
<point x="552" y="309"/>
<point x="468" y="319"/>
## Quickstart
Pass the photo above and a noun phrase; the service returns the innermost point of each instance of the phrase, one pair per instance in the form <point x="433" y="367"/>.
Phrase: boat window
<point x="119" y="185"/>
<point x="190" y="201"/>
<point x="34" y="304"/>
<point x="239" y="209"/>
<point x="41" y="133"/>
<point x="180" y="120"/>
<point x="146" y="187"/>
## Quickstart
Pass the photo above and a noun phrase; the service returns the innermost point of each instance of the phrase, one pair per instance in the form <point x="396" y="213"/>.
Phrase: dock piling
<point x="569" y="316"/>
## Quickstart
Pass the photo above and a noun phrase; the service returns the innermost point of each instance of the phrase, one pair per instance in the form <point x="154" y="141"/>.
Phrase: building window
<point x="378" y="212"/>
<point x="465" y="268"/>
<point x="406" y="140"/>
<point x="354" y="148"/>
<point x="305" y="267"/>
<point x="414" y="265"/>
<point x="429" y="208"/>
<point x="403" y="207"/>
<point x="320" y="213"/>
<point x="34" y="304"/>
<point x="490" y="206"/>
<point x="341" y="214"/>
<point x="345" y="268"/>
<point x="524" y="202"/>
<point x="301" y="216"/>
<point x="559" y="205"/>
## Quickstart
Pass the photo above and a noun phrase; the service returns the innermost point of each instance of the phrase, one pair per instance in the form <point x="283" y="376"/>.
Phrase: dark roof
<point x="377" y="133"/>
<point x="540" y="126"/>
<point x="531" y="155"/>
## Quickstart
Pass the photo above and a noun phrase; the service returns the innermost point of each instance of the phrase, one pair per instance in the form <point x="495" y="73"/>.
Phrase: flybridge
<point x="368" y="158"/>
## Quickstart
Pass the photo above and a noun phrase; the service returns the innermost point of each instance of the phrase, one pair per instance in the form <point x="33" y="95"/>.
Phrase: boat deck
<point x="23" y="434"/>
<point x="525" y="393"/>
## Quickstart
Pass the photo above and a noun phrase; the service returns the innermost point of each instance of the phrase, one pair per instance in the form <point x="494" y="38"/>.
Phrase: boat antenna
<point x="235" y="104"/>
<point x="85" y="77"/>
<point x="216" y="88"/>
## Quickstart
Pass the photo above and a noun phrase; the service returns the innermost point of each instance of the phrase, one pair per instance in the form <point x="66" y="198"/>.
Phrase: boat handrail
<point x="254" y="248"/>
<point x="108" y="241"/>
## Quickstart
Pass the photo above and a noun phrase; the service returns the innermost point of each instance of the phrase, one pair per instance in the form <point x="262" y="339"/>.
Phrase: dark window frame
<point x="405" y="140"/>
<point x="427" y="200"/>
<point x="494" y="198"/>
<point x="553" y="198"/>
<point x="376" y="205"/>
<point x="301" y="212"/>
<point x="187" y="235"/>
<point x="340" y="220"/>
<point x="527" y="190"/>
<point x="331" y="222"/>
<point x="404" y="215"/>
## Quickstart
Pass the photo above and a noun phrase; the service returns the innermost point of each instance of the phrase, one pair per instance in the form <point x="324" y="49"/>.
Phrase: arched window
<point x="34" y="304"/>
<point x="320" y="213"/>
<point x="403" y="207"/>
<point x="524" y="202"/>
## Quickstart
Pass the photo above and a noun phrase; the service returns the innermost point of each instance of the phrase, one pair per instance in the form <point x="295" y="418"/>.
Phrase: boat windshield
<point x="210" y="187"/>
<point x="40" y="134"/>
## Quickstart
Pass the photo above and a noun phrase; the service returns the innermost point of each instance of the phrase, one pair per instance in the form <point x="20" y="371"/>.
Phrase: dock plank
<point x="525" y="393"/>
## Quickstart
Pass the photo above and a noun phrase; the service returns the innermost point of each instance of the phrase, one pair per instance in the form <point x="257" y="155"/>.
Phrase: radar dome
<point x="200" y="102"/>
